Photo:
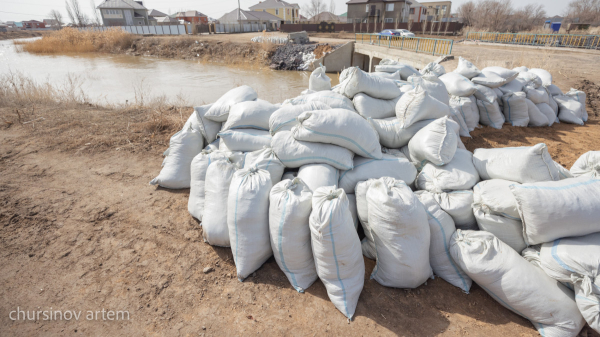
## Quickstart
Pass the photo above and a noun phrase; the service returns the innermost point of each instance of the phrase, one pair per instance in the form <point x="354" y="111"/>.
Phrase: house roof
<point x="155" y="13"/>
<point x="163" y="19"/>
<point x="273" y="4"/>
<point x="120" y="4"/>
<point x="326" y="16"/>
<point x="189" y="14"/>
<point x="344" y="14"/>
<point x="247" y="16"/>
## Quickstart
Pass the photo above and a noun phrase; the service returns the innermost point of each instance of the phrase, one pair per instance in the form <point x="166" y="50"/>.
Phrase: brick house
<point x="192" y="17"/>
<point x="377" y="11"/>
<point x="33" y="24"/>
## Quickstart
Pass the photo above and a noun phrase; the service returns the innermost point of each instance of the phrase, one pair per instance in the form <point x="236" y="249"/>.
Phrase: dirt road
<point x="81" y="229"/>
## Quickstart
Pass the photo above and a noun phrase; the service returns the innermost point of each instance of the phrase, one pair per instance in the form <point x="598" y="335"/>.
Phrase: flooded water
<point x="116" y="79"/>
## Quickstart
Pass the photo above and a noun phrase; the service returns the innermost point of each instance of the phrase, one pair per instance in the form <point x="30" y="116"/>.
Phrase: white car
<point x="404" y="32"/>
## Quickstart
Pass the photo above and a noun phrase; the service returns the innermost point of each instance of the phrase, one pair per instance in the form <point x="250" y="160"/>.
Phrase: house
<point x="192" y="17"/>
<point x="123" y="13"/>
<point x="51" y="23"/>
<point x="286" y="12"/>
<point x="3" y="28"/>
<point x="153" y="15"/>
<point x="165" y="20"/>
<point x="327" y="17"/>
<point x="253" y="17"/>
<point x="417" y="12"/>
<point x="33" y="24"/>
<point x="438" y="10"/>
<point x="378" y="10"/>
<point x="19" y="25"/>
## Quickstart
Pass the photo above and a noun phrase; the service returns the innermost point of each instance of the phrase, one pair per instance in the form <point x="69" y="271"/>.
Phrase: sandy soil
<point x="81" y="229"/>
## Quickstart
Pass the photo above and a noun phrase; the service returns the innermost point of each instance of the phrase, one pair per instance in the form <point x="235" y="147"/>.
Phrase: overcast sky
<point x="19" y="10"/>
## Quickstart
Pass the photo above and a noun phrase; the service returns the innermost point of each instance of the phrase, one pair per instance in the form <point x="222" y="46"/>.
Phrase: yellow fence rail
<point x="550" y="40"/>
<point x="416" y="44"/>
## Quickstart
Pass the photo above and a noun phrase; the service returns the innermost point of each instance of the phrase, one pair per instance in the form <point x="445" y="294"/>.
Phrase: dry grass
<point x="70" y="40"/>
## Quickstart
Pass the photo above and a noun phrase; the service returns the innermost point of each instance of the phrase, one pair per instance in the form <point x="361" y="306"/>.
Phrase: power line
<point x="25" y="3"/>
<point x="22" y="13"/>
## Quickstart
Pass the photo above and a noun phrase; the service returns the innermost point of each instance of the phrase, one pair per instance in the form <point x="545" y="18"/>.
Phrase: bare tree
<point x="583" y="11"/>
<point x="78" y="18"/>
<point x="57" y="17"/>
<point x="96" y="18"/>
<point x="332" y="7"/>
<point x="528" y="17"/>
<point x="466" y="12"/>
<point x="315" y="7"/>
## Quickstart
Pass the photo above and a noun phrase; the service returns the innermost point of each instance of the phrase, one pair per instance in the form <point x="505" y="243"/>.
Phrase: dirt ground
<point x="81" y="229"/>
<point x="20" y="34"/>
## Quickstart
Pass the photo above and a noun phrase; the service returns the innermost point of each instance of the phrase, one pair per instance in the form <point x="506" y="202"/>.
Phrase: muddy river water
<point x="115" y="79"/>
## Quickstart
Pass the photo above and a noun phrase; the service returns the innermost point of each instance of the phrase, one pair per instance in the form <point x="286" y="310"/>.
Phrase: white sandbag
<point x="553" y="90"/>
<point x="362" y="210"/>
<point x="484" y="93"/>
<point x="588" y="165"/>
<point x="401" y="234"/>
<point x="183" y="147"/>
<point x="458" y="205"/>
<point x="354" y="81"/>
<point x="466" y="68"/>
<point x="537" y="96"/>
<point x="290" y="204"/>
<point x="368" y="106"/>
<point x="214" y="146"/>
<point x="223" y="147"/>
<point x="515" y="109"/>
<point x="580" y="97"/>
<point x="513" y="86"/>
<point x="339" y="127"/>
<point x="575" y="261"/>
<point x="433" y="68"/>
<point x="245" y="140"/>
<point x="248" y="220"/>
<point x="433" y="85"/>
<point x="294" y="153"/>
<point x="441" y="228"/>
<point x="552" y="103"/>
<point x="405" y="70"/>
<point x="505" y="73"/>
<point x="459" y="174"/>
<point x="250" y="115"/>
<point x="569" y="208"/>
<point x="499" y="95"/>
<point x="198" y="169"/>
<point x="391" y="133"/>
<point x="390" y="76"/>
<point x="353" y="209"/>
<point x="547" y="111"/>
<point x="220" y="109"/>
<point x="208" y="128"/>
<point x="417" y="105"/>
<point x="536" y="117"/>
<point x="265" y="159"/>
<point x="490" y="114"/>
<point x="516" y="284"/>
<point x="336" y="248"/>
<point x="216" y="192"/>
<point x="521" y="69"/>
<point x="521" y="164"/>
<point x="544" y="75"/>
<point x="507" y="230"/>
<point x="530" y="79"/>
<point x="392" y="164"/>
<point x="489" y="79"/>
<point x="318" y="175"/>
<point x="468" y="110"/>
<point x="436" y="143"/>
<point x="329" y="98"/>
<point x="404" y="86"/>
<point x="569" y="109"/>
<point x="284" y="118"/>
<point x="319" y="80"/>
<point x="289" y="175"/>
<point x="495" y="197"/>
<point x="458" y="85"/>
<point x="457" y="115"/>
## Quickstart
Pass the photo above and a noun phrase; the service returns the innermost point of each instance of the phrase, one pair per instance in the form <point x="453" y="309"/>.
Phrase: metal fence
<point x="550" y="40"/>
<point x="416" y="44"/>
<point x="144" y="30"/>
<point x="242" y="28"/>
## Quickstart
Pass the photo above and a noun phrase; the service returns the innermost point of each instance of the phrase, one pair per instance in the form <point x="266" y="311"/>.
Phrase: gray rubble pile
<point x="375" y="166"/>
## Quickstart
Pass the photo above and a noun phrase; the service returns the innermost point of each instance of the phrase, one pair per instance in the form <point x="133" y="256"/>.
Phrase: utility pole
<point x="239" y="14"/>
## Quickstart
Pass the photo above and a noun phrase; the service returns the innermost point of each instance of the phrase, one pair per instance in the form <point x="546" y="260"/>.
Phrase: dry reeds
<point x="70" y="40"/>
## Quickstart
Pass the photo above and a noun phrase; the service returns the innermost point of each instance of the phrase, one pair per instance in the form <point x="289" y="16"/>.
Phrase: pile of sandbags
<point x="375" y="166"/>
